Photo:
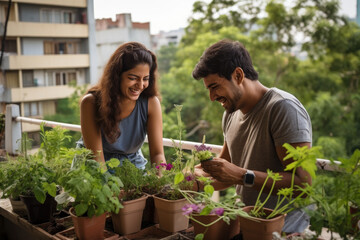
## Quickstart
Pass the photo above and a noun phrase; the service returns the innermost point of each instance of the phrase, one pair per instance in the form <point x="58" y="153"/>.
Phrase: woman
<point x="118" y="112"/>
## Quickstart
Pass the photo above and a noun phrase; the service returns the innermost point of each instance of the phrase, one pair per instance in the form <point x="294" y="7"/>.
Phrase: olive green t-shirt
<point x="252" y="138"/>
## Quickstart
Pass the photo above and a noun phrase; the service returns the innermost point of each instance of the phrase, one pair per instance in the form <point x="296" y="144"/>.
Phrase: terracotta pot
<point x="218" y="230"/>
<point x="258" y="228"/>
<point x="128" y="220"/>
<point x="37" y="212"/>
<point x="18" y="207"/>
<point x="88" y="228"/>
<point x="171" y="218"/>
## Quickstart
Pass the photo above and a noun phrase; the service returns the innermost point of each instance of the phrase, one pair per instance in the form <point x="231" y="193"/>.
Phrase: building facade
<point x="110" y="34"/>
<point x="47" y="45"/>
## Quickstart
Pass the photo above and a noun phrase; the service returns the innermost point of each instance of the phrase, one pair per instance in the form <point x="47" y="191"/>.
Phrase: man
<point x="257" y="122"/>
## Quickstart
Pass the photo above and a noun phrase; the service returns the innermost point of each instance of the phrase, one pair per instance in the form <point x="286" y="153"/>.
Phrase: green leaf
<point x="209" y="189"/>
<point x="40" y="195"/>
<point x="81" y="209"/>
<point x="179" y="177"/>
<point x="199" y="236"/>
<point x="206" y="210"/>
<point x="106" y="191"/>
<point x="50" y="188"/>
<point x="113" y="163"/>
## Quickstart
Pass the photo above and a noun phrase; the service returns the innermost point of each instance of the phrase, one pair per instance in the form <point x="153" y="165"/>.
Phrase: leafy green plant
<point x="33" y="178"/>
<point x="202" y="152"/>
<point x="37" y="174"/>
<point x="334" y="194"/>
<point x="303" y="157"/>
<point x="91" y="189"/>
<point x="132" y="178"/>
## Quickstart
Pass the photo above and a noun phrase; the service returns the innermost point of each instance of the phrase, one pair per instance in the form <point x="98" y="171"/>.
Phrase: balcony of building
<point x="51" y="61"/>
<point x="67" y="3"/>
<point x="32" y="94"/>
<point x="35" y="29"/>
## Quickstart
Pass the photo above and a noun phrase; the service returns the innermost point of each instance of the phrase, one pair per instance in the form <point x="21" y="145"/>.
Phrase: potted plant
<point x="37" y="174"/>
<point x="212" y="220"/>
<point x="9" y="174"/>
<point x="92" y="191"/>
<point x="128" y="219"/>
<point x="169" y="201"/>
<point x="336" y="196"/>
<point x="253" y="227"/>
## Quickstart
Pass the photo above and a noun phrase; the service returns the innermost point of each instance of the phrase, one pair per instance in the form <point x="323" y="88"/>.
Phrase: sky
<point x="166" y="15"/>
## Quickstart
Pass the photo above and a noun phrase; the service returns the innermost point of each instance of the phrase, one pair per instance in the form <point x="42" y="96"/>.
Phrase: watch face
<point x="249" y="178"/>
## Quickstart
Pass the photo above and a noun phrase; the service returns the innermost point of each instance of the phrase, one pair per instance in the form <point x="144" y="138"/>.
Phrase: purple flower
<point x="169" y="166"/>
<point x="202" y="147"/>
<point x="217" y="211"/>
<point x="192" y="208"/>
<point x="157" y="167"/>
<point x="189" y="178"/>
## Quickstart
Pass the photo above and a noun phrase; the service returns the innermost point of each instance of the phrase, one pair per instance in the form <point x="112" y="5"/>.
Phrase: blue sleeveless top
<point x="133" y="132"/>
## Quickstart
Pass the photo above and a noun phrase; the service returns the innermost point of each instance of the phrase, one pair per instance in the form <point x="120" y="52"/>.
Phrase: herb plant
<point x="132" y="178"/>
<point x="91" y="189"/>
<point x="303" y="157"/>
<point x="334" y="194"/>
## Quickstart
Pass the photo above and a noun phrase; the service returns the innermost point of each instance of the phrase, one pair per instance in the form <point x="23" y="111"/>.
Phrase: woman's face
<point x="134" y="81"/>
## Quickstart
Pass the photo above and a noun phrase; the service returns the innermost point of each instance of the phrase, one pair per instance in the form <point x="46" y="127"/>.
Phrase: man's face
<point x="224" y="91"/>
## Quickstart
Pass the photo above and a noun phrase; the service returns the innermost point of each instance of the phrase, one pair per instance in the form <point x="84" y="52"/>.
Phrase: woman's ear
<point x="238" y="75"/>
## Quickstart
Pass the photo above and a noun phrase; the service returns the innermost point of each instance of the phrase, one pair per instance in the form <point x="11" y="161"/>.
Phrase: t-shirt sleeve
<point x="290" y="123"/>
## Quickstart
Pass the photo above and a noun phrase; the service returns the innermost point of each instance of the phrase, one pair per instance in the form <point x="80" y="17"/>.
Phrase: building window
<point x="48" y="15"/>
<point x="10" y="45"/>
<point x="28" y="79"/>
<point x="60" y="78"/>
<point x="32" y="109"/>
<point x="60" y="47"/>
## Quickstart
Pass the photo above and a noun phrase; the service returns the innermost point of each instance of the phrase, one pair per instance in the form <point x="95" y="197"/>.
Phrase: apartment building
<point x="112" y="33"/>
<point x="48" y="45"/>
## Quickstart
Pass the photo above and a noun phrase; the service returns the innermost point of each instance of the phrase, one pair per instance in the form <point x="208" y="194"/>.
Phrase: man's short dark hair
<point x="222" y="58"/>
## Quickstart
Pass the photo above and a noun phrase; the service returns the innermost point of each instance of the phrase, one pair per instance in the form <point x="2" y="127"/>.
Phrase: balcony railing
<point x="13" y="134"/>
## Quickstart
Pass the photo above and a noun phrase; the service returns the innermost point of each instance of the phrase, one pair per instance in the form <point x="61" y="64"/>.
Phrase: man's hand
<point x="224" y="171"/>
<point x="199" y="171"/>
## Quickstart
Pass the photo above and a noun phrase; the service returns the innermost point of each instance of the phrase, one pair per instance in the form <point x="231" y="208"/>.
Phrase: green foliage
<point x="37" y="174"/>
<point x="303" y="157"/>
<point x="30" y="177"/>
<point x="332" y="147"/>
<point x="132" y="178"/>
<point x="52" y="142"/>
<point x="333" y="194"/>
<point x="92" y="189"/>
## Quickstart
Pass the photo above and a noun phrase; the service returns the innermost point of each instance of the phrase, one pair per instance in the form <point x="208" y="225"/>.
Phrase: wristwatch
<point x="249" y="178"/>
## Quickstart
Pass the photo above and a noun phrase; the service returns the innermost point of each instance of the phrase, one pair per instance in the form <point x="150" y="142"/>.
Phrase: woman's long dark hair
<point x="107" y="91"/>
